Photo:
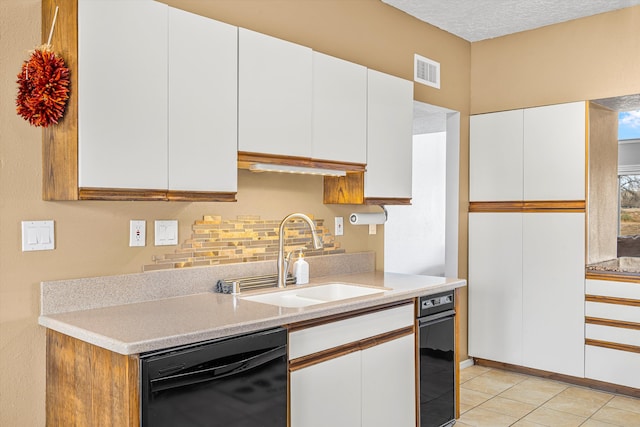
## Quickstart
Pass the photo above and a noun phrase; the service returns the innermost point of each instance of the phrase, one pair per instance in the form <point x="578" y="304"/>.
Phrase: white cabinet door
<point x="495" y="156"/>
<point x="274" y="95"/>
<point x="389" y="384"/>
<point x="328" y="393"/>
<point x="339" y="131"/>
<point x="495" y="286"/>
<point x="553" y="292"/>
<point x="554" y="152"/>
<point x="203" y="143"/>
<point x="122" y="94"/>
<point x="389" y="136"/>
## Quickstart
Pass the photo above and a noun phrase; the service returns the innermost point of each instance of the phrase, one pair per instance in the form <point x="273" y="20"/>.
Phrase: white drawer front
<point x="613" y="334"/>
<point x="613" y="289"/>
<point x="626" y="313"/>
<point x="612" y="366"/>
<point x="323" y="337"/>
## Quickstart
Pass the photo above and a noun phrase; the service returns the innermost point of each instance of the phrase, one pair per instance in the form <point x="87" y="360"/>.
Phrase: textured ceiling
<point x="476" y="20"/>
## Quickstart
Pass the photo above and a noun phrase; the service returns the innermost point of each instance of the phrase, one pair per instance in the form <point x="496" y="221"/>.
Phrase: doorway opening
<point x="422" y="238"/>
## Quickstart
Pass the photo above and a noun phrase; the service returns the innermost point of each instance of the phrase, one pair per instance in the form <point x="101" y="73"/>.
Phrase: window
<point x="629" y="224"/>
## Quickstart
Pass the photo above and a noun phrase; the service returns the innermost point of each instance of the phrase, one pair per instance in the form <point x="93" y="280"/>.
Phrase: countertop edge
<point x="318" y="311"/>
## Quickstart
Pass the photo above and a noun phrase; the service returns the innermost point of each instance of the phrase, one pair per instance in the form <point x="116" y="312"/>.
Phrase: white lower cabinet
<point x="612" y="350"/>
<point x="388" y="384"/>
<point x="495" y="286"/>
<point x="327" y="394"/>
<point x="352" y="380"/>
<point x="552" y="292"/>
<point x="526" y="279"/>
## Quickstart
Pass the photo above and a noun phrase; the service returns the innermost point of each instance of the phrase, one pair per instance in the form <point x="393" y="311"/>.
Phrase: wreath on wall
<point x="43" y="85"/>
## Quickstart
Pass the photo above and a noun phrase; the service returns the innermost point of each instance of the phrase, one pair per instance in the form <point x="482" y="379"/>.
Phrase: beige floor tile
<point x="595" y="423"/>
<point x="494" y="382"/>
<point x="525" y="423"/>
<point x="533" y="390"/>
<point x="617" y="417"/>
<point x="471" y="372"/>
<point x="578" y="401"/>
<point x="479" y="417"/>
<point x="473" y="398"/>
<point x="465" y="407"/>
<point x="505" y="376"/>
<point x="461" y="424"/>
<point x="595" y="396"/>
<point x="551" y="418"/>
<point x="508" y="407"/>
<point x="626" y="403"/>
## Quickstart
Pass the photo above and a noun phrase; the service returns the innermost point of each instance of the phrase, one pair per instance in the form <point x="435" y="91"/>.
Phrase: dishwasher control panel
<point x="438" y="303"/>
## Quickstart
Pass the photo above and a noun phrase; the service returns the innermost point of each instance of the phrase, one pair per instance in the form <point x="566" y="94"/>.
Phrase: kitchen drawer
<point x="613" y="289"/>
<point x="329" y="335"/>
<point x="613" y="334"/>
<point x="626" y="313"/>
<point x="612" y="366"/>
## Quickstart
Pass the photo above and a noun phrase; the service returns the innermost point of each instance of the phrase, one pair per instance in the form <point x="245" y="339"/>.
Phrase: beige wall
<point x="91" y="237"/>
<point x="585" y="59"/>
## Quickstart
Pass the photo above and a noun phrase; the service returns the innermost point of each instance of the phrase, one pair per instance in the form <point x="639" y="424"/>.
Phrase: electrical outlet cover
<point x="137" y="233"/>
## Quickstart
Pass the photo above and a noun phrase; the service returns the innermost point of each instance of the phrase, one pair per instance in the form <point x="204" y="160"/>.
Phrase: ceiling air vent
<point x="426" y="71"/>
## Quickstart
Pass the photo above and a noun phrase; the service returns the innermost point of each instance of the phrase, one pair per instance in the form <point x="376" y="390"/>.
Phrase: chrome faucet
<point x="317" y="244"/>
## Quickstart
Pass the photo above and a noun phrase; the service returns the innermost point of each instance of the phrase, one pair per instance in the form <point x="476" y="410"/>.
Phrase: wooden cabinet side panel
<point x="60" y="141"/>
<point x="88" y="385"/>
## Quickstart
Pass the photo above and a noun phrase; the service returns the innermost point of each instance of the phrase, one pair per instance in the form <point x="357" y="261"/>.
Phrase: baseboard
<point x="466" y="363"/>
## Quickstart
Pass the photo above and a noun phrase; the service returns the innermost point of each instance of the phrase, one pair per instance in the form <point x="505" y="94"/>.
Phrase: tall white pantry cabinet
<point x="527" y="237"/>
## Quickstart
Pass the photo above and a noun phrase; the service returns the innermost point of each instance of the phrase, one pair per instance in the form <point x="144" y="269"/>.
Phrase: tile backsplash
<point x="245" y="239"/>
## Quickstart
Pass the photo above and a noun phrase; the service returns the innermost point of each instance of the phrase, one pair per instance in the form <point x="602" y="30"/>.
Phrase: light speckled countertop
<point x="155" y="324"/>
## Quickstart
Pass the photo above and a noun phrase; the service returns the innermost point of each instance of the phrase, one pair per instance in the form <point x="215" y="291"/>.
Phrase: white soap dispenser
<point x="301" y="270"/>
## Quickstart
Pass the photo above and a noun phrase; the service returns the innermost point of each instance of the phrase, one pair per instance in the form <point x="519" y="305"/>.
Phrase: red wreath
<point x="43" y="87"/>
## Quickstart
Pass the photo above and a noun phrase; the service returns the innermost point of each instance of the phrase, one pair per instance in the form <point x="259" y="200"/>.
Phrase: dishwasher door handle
<point x="435" y="318"/>
<point x="216" y="372"/>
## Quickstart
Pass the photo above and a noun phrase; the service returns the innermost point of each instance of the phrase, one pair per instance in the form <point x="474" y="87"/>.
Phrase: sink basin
<point x="304" y="297"/>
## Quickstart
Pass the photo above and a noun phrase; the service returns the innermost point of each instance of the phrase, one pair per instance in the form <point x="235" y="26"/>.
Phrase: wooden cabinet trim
<point x="89" y="385"/>
<point x="613" y="276"/>
<point x="585" y="382"/>
<point x="60" y="141"/>
<point x="332" y="353"/>
<point x="613" y="345"/>
<point x="246" y="159"/>
<point x="612" y="300"/>
<point x="612" y="323"/>
<point x="529" y="206"/>
<point x="126" y="194"/>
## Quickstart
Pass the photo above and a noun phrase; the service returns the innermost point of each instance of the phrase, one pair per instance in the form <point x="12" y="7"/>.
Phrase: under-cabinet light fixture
<point x="268" y="167"/>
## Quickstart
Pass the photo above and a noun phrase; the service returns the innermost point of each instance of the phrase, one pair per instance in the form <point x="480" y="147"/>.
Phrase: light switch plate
<point x="373" y="228"/>
<point x="339" y="225"/>
<point x="137" y="232"/>
<point x="38" y="236"/>
<point x="166" y="232"/>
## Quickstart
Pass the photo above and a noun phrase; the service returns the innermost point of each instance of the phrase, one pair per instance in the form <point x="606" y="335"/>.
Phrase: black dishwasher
<point x="436" y="338"/>
<point x="233" y="382"/>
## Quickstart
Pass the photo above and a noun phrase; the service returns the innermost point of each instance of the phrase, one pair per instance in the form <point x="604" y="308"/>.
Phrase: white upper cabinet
<point x="339" y="130"/>
<point x="554" y="152"/>
<point x="531" y="154"/>
<point x="122" y="94"/>
<point x="495" y="152"/>
<point x="203" y="82"/>
<point x="389" y="136"/>
<point x="274" y="95"/>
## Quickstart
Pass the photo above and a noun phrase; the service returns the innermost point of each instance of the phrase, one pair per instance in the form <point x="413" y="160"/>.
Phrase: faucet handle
<point x="287" y="259"/>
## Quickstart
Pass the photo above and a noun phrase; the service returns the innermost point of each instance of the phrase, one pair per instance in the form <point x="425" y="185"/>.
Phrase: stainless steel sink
<point x="312" y="295"/>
